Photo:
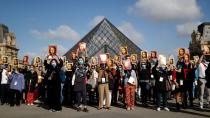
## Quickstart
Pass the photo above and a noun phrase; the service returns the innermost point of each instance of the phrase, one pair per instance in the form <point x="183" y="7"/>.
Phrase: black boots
<point x="177" y="106"/>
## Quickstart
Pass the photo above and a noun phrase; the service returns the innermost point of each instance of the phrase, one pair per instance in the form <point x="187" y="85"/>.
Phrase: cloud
<point x="167" y="10"/>
<point x="128" y="29"/>
<point x="96" y="20"/>
<point x="37" y="34"/>
<point x="185" y="30"/>
<point x="61" y="32"/>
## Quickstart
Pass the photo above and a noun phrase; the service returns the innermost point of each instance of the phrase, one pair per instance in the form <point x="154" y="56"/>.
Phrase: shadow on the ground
<point x="196" y="111"/>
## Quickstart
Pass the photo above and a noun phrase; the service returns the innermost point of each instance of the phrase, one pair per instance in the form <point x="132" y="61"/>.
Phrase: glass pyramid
<point x="105" y="38"/>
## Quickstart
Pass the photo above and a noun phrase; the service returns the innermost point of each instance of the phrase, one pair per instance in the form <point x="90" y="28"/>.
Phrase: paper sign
<point x="82" y="46"/>
<point x="161" y="79"/>
<point x="15" y="83"/>
<point x="127" y="64"/>
<point x="181" y="82"/>
<point x="162" y="60"/>
<point x="196" y="83"/>
<point x="170" y="77"/>
<point x="131" y="80"/>
<point x="103" y="58"/>
<point x="173" y="87"/>
<point x="103" y="80"/>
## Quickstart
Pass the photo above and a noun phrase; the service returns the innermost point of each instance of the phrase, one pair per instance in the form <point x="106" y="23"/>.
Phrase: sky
<point x="162" y="25"/>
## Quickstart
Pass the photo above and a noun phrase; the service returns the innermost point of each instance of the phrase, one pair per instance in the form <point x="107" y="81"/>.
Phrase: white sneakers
<point x="158" y="109"/>
<point x="165" y="108"/>
<point x="30" y="104"/>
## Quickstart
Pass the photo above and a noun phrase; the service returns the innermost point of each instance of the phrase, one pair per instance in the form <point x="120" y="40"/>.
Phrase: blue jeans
<point x="62" y="84"/>
<point x="144" y="92"/>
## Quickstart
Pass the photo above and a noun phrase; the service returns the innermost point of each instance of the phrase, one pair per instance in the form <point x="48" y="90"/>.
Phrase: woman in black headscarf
<point x="53" y="84"/>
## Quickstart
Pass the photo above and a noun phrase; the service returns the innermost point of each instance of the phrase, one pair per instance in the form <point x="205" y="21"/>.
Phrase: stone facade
<point x="7" y="44"/>
<point x="200" y="40"/>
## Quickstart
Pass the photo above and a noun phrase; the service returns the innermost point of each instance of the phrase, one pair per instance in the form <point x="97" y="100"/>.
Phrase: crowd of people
<point x="105" y="81"/>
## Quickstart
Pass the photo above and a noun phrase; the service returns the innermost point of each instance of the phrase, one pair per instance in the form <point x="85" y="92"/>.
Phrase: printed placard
<point x="161" y="79"/>
<point x="103" y="80"/>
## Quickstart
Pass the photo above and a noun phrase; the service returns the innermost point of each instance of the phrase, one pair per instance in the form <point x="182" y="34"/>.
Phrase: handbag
<point x="168" y="85"/>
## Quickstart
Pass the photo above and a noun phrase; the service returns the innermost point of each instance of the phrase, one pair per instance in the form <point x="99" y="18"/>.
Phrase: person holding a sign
<point x="179" y="80"/>
<point x="188" y="75"/>
<point x="161" y="77"/>
<point x="111" y="78"/>
<point x="79" y="82"/>
<point x="202" y="66"/>
<point x="92" y="83"/>
<point x="130" y="83"/>
<point x="68" y="88"/>
<point x="117" y="59"/>
<point x="31" y="79"/>
<point x="41" y="85"/>
<point x="53" y="84"/>
<point x="103" y="83"/>
<point x="4" y="85"/>
<point x="172" y="74"/>
<point x="17" y="85"/>
<point x="144" y="72"/>
<point x="153" y="59"/>
<point x="208" y="81"/>
<point x="73" y="57"/>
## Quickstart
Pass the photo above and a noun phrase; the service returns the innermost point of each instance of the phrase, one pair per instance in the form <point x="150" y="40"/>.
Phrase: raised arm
<point x="201" y="58"/>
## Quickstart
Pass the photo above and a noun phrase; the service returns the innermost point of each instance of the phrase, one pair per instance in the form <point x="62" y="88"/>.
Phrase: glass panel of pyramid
<point x="105" y="38"/>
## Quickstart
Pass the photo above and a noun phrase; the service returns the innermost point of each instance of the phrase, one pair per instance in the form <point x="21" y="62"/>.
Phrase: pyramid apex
<point x="104" y="19"/>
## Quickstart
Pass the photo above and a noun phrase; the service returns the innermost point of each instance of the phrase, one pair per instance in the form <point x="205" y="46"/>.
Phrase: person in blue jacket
<point x="17" y="84"/>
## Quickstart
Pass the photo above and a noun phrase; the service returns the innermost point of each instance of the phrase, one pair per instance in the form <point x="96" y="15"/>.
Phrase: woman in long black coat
<point x="68" y="88"/>
<point x="80" y="85"/>
<point x="53" y="84"/>
<point x="161" y="76"/>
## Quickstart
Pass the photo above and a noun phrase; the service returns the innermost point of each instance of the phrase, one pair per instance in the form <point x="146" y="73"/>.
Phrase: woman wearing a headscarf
<point x="53" y="84"/>
<point x="161" y="78"/>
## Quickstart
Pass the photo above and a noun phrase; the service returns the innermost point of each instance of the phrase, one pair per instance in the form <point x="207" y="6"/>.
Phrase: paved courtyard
<point x="38" y="112"/>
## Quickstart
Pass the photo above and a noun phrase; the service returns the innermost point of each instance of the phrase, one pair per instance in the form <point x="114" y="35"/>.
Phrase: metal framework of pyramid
<point x="105" y="38"/>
